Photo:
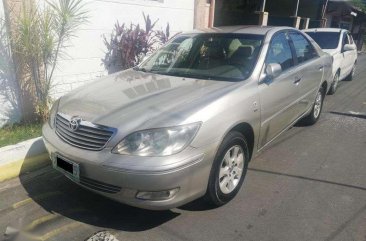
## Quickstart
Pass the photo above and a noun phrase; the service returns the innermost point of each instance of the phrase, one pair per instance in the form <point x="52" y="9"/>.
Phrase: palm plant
<point x="39" y="38"/>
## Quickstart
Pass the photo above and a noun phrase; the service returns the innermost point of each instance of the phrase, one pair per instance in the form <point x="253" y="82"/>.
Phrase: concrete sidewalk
<point x="21" y="158"/>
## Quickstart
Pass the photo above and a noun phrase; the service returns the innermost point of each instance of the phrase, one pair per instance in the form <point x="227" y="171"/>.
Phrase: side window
<point x="279" y="52"/>
<point x="304" y="49"/>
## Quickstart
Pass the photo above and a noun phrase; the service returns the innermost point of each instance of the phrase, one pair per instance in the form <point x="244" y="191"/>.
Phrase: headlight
<point x="157" y="142"/>
<point x="53" y="112"/>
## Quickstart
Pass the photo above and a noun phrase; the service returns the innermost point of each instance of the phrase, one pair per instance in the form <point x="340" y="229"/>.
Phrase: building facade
<point x="295" y="13"/>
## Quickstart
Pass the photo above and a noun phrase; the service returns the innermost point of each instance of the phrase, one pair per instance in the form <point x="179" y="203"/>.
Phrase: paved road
<point x="309" y="185"/>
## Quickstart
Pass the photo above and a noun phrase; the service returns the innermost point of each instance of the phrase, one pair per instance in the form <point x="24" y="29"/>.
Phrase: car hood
<point x="139" y="99"/>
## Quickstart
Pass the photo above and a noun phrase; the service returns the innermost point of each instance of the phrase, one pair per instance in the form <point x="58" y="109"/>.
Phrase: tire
<point x="333" y="87"/>
<point x="314" y="115"/>
<point x="352" y="74"/>
<point x="231" y="158"/>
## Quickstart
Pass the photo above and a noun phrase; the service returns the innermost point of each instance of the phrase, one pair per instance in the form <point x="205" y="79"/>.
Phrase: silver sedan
<point x="185" y="123"/>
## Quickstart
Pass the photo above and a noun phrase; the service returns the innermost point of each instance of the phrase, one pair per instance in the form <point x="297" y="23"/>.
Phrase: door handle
<point x="297" y="80"/>
<point x="321" y="67"/>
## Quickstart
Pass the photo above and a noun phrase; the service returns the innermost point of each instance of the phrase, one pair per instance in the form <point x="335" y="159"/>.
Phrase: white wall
<point x="82" y="63"/>
<point x="8" y="96"/>
<point x="2" y="10"/>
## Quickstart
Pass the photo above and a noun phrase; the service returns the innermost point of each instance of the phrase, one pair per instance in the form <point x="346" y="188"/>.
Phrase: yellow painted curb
<point x="16" y="168"/>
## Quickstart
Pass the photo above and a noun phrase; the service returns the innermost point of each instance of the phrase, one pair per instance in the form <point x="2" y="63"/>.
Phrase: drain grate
<point x="102" y="236"/>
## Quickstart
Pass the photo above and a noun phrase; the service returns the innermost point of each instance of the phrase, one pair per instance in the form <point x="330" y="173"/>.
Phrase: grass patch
<point x="13" y="134"/>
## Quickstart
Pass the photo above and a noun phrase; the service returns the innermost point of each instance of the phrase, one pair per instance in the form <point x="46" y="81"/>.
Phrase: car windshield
<point x="229" y="57"/>
<point x="326" y="40"/>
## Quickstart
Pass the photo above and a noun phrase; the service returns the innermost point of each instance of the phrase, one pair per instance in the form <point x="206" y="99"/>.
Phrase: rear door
<point x="278" y="96"/>
<point x="309" y="68"/>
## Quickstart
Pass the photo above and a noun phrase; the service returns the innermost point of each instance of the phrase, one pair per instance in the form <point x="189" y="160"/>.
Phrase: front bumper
<point x="121" y="177"/>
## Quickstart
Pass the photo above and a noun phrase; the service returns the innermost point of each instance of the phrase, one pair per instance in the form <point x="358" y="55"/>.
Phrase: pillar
<point x="263" y="18"/>
<point x="305" y="24"/>
<point x="297" y="21"/>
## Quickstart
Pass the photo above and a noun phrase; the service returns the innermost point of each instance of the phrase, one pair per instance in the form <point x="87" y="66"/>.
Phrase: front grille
<point x="86" y="136"/>
<point x="99" y="186"/>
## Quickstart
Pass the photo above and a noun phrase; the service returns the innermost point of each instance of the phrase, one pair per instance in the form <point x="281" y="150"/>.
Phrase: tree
<point x="360" y="4"/>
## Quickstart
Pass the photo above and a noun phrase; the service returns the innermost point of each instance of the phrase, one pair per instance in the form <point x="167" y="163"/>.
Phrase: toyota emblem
<point x="74" y="123"/>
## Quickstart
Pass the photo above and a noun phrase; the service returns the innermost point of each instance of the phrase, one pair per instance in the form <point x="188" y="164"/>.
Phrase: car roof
<point x="245" y="29"/>
<point x="333" y="30"/>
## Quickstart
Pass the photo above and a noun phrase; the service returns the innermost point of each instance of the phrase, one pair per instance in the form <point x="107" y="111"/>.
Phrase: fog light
<point x="157" y="196"/>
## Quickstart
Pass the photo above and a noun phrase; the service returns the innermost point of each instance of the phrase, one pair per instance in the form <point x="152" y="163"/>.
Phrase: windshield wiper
<point x="136" y="68"/>
<point x="186" y="75"/>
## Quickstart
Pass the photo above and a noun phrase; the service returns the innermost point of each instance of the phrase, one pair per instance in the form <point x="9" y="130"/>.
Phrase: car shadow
<point x="198" y="205"/>
<point x="57" y="194"/>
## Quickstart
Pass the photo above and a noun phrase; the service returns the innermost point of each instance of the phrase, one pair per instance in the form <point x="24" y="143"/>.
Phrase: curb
<point x="22" y="158"/>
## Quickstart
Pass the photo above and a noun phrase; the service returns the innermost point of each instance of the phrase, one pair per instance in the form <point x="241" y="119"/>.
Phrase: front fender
<point x="240" y="106"/>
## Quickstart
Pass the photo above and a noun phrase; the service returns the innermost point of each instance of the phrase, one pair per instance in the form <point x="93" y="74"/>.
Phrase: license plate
<point x="66" y="166"/>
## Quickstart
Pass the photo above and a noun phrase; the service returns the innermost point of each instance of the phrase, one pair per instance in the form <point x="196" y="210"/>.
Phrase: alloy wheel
<point x="231" y="169"/>
<point x="318" y="104"/>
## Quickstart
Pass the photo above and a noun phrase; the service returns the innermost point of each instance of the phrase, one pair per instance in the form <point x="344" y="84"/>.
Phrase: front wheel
<point x="314" y="115"/>
<point x="228" y="170"/>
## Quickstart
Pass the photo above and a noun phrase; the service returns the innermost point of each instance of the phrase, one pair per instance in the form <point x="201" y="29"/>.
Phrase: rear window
<point x="326" y="40"/>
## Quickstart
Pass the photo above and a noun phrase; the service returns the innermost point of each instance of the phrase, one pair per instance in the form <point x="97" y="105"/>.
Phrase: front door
<point x="310" y="69"/>
<point x="348" y="60"/>
<point x="278" y="96"/>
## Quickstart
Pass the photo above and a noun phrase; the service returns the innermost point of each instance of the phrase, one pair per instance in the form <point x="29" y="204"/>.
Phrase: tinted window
<point x="279" y="52"/>
<point x="326" y="40"/>
<point x="304" y="49"/>
<point x="207" y="56"/>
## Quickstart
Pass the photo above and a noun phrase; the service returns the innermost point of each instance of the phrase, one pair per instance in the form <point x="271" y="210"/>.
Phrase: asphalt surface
<point x="308" y="185"/>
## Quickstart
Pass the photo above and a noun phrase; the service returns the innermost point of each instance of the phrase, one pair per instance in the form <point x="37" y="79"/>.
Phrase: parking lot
<point x="308" y="185"/>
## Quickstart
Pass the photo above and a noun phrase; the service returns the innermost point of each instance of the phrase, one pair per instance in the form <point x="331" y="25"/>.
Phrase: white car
<point x="339" y="44"/>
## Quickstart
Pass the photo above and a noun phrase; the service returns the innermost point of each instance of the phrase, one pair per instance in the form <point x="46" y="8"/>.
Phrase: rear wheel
<point x="314" y="115"/>
<point x="333" y="87"/>
<point x="228" y="170"/>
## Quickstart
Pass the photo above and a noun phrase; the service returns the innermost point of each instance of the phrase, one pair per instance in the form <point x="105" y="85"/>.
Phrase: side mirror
<point x="273" y="70"/>
<point x="348" y="47"/>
